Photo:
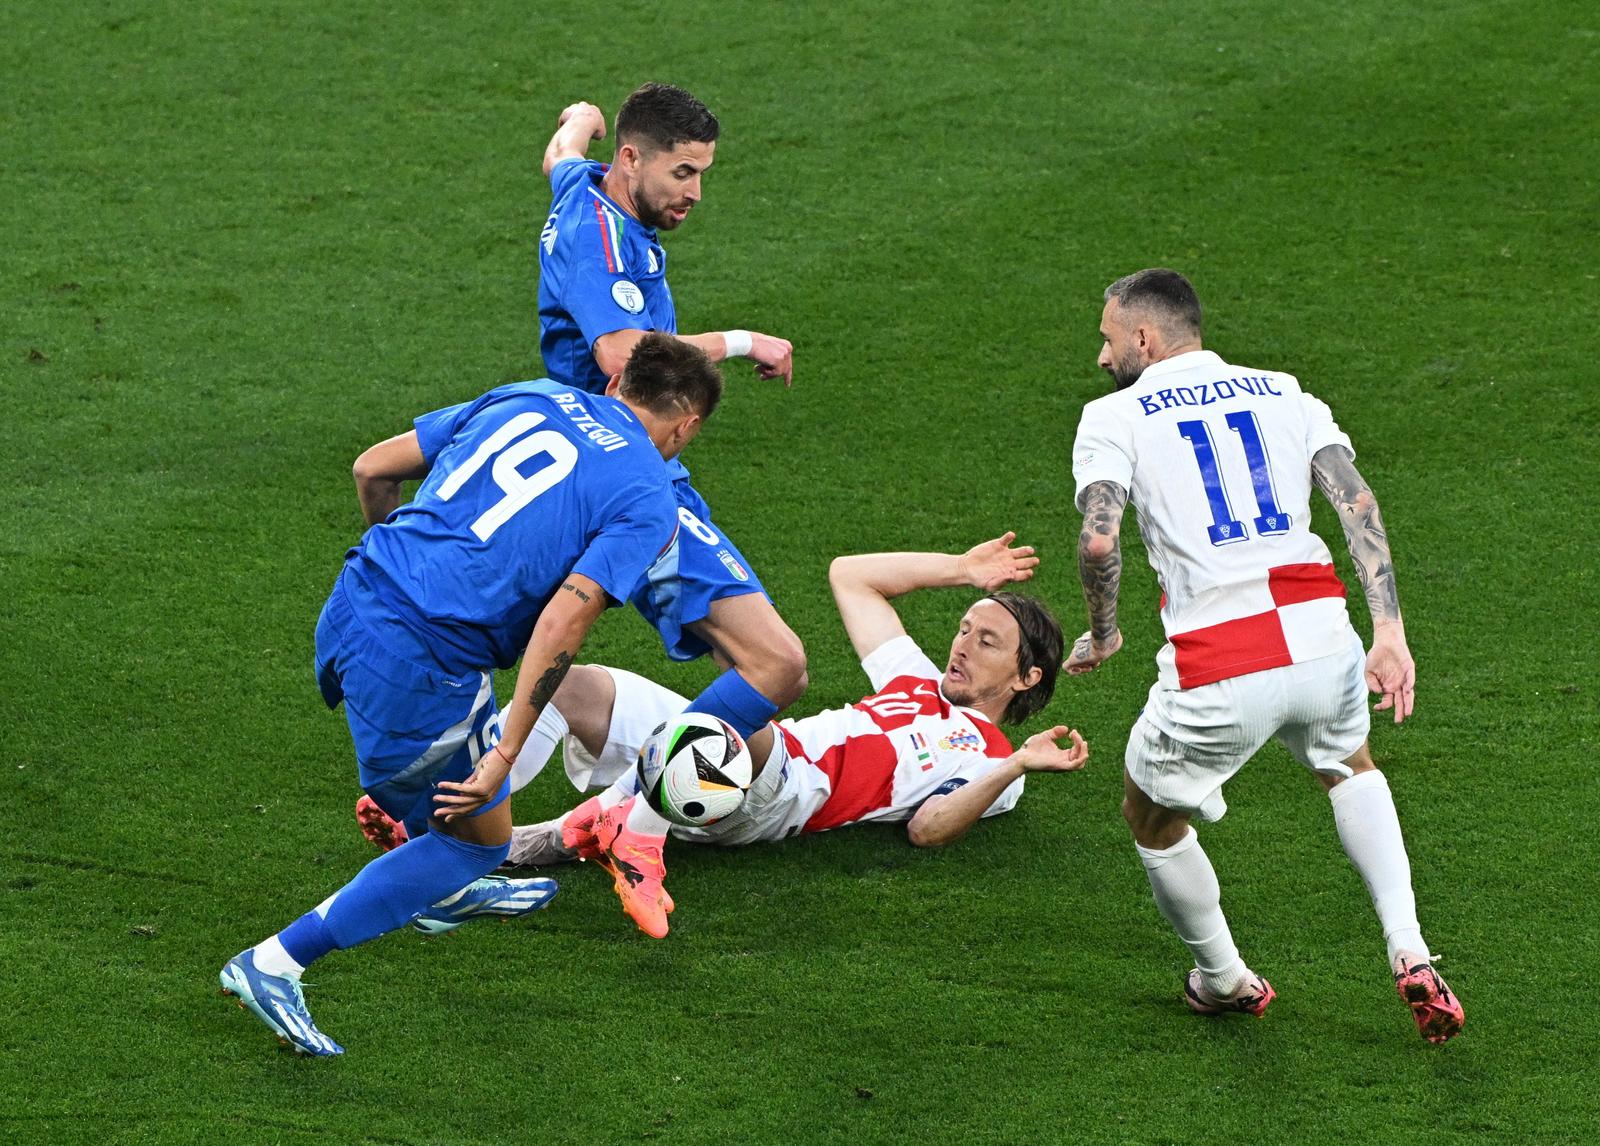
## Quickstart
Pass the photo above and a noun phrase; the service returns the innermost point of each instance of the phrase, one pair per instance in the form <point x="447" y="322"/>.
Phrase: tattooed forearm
<point x="1334" y="471"/>
<point x="547" y="684"/>
<point x="575" y="591"/>
<point x="1100" y="555"/>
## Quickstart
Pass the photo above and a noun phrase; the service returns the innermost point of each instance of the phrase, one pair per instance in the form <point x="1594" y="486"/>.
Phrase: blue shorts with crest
<point x="701" y="567"/>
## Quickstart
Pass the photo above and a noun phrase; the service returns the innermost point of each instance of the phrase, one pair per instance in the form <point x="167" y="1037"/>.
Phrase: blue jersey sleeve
<point x="641" y="526"/>
<point x="598" y="293"/>
<point x="566" y="175"/>
<point x="435" y="430"/>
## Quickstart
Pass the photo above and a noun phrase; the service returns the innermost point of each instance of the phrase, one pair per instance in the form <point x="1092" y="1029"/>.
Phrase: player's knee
<point x="781" y="669"/>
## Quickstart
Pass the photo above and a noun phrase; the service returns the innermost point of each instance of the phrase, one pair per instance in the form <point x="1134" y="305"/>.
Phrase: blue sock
<point x="734" y="699"/>
<point x="389" y="892"/>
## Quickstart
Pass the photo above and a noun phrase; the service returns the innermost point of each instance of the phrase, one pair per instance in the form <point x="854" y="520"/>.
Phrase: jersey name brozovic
<point x="1217" y="460"/>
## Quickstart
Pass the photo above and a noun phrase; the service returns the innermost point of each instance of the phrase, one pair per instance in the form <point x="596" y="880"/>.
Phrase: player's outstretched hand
<point x="1392" y="672"/>
<point x="1041" y="753"/>
<point x="995" y="563"/>
<point x="774" y="357"/>
<point x="589" y="111"/>
<point x="467" y="796"/>
<point x="1088" y="655"/>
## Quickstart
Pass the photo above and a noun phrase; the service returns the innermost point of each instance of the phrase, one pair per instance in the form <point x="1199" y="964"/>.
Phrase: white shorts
<point x="641" y="705"/>
<point x="1188" y="743"/>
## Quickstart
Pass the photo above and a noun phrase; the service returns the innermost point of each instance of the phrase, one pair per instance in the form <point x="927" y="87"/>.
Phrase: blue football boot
<point x="491" y="895"/>
<point x="278" y="1002"/>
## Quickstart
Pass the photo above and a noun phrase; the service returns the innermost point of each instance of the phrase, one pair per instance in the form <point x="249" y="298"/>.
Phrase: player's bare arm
<point x="578" y="125"/>
<point x="1100" y="570"/>
<point x="381" y="469"/>
<point x="557" y="637"/>
<point x="944" y="819"/>
<point x="864" y="584"/>
<point x="773" y="357"/>
<point x="1391" y="671"/>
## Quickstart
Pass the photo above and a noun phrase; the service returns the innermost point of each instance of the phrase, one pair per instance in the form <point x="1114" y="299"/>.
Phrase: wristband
<point x="736" y="343"/>
<point x="503" y="755"/>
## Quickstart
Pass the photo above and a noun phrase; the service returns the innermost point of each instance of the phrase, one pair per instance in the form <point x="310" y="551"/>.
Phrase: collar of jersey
<point x="1178" y="363"/>
<point x="594" y="188"/>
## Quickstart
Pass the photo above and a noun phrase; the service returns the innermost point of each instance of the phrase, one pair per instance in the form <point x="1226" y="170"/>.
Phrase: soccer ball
<point x="694" y="769"/>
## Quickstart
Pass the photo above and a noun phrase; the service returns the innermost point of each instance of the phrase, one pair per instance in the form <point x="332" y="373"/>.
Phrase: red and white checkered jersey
<point x="880" y="758"/>
<point x="1217" y="460"/>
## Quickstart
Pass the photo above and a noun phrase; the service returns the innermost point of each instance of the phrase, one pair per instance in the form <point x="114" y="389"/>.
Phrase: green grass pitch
<point x="242" y="241"/>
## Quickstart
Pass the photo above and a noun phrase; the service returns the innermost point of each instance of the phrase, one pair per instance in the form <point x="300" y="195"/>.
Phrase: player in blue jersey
<point x="602" y="285"/>
<point x="540" y="506"/>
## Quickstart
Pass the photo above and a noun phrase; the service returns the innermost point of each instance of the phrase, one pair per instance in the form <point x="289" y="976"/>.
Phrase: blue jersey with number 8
<point x="530" y="482"/>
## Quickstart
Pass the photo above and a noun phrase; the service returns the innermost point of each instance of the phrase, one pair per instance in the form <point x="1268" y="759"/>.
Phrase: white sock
<point x="621" y="788"/>
<point x="1369" y="829"/>
<point x="272" y="959"/>
<point x="548" y="732"/>
<point x="530" y="838"/>
<point x="1190" y="899"/>
<point x="645" y="820"/>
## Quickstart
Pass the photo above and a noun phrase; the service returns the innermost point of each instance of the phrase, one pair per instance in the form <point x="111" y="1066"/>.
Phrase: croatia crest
<point x="962" y="740"/>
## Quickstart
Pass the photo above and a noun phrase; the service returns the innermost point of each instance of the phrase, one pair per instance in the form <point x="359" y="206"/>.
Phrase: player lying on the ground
<point x="1259" y="643"/>
<point x="539" y="508"/>
<point x="924" y="748"/>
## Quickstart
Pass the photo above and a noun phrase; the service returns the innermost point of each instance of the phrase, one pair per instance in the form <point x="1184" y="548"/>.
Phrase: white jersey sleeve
<point x="898" y="656"/>
<point x="1321" y="429"/>
<point x="1103" y="451"/>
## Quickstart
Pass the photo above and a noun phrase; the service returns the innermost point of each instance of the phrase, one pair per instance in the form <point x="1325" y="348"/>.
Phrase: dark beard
<point x="1125" y="373"/>
<point x="652" y="216"/>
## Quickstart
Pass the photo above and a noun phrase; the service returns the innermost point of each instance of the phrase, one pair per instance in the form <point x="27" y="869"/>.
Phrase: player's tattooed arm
<point x="1100" y="556"/>
<point x="1334" y="471"/>
<point x="569" y="587"/>
<point x="547" y="684"/>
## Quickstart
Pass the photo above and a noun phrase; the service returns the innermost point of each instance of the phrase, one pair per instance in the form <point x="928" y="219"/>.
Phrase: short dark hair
<point x="670" y="377"/>
<point x="664" y="116"/>
<point x="1165" y="294"/>
<point x="1040" y="647"/>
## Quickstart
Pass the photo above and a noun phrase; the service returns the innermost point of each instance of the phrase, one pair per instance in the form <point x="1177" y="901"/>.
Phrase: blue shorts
<point x="413" y="723"/>
<point x="701" y="567"/>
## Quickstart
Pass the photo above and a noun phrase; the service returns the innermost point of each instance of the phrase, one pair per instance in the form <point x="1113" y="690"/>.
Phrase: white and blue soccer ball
<point x="694" y="769"/>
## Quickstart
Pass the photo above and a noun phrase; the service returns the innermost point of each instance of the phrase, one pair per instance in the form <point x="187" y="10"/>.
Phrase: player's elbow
<point x="367" y="469"/>
<point x="610" y="357"/>
<point x="1095" y="548"/>
<point x="921" y="837"/>
<point x="840" y="575"/>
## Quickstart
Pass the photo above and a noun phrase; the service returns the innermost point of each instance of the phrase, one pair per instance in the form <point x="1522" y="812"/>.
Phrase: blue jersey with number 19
<point x="528" y="483"/>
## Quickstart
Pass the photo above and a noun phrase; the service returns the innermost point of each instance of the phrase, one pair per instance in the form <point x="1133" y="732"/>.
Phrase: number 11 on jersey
<point x="1225" y="529"/>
